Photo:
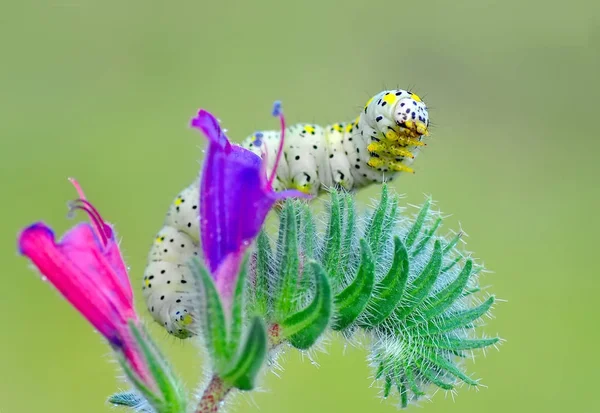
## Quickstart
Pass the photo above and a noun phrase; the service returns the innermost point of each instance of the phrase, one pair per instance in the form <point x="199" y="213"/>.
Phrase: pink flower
<point x="87" y="268"/>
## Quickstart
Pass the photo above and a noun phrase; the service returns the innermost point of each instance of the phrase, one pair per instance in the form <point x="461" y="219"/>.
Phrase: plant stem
<point x="274" y="336"/>
<point x="217" y="390"/>
<point x="213" y="396"/>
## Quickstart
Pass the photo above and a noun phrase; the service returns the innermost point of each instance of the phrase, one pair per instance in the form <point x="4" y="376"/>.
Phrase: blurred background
<point x="104" y="90"/>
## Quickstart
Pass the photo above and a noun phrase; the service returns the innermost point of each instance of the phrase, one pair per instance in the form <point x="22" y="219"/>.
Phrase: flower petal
<point x="37" y="243"/>
<point x="79" y="274"/>
<point x="226" y="277"/>
<point x="209" y="125"/>
<point x="85" y="277"/>
<point x="114" y="258"/>
<point x="82" y="246"/>
<point x="234" y="198"/>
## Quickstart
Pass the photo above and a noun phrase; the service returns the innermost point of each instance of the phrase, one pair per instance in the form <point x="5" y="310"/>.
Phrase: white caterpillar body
<point x="168" y="285"/>
<point x="382" y="141"/>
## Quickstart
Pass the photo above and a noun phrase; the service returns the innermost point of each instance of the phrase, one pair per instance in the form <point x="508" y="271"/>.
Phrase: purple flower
<point x="235" y="198"/>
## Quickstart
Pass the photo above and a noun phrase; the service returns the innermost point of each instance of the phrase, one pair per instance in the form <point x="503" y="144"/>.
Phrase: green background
<point x="104" y="90"/>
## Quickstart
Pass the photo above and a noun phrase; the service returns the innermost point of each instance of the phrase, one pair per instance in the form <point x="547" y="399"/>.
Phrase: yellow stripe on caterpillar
<point x="376" y="162"/>
<point x="398" y="167"/>
<point x="382" y="148"/>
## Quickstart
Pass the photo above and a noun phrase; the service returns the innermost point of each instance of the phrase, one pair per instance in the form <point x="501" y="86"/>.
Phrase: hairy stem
<point x="213" y="396"/>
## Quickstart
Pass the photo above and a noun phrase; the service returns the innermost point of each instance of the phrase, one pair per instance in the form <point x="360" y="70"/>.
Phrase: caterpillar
<point x="382" y="141"/>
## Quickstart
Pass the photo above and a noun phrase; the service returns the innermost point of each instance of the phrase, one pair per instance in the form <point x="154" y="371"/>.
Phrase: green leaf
<point x="127" y="399"/>
<point x="448" y="295"/>
<point x="304" y="327"/>
<point x="452" y="243"/>
<point x="261" y="287"/>
<point x="349" y="232"/>
<point x="380" y="370"/>
<point x="432" y="377"/>
<point x="282" y="230"/>
<point x="403" y="395"/>
<point x="376" y="223"/>
<point x="452" y="264"/>
<point x="351" y="302"/>
<point x="457" y="344"/>
<point x="249" y="361"/>
<point x="237" y="306"/>
<point x="457" y="320"/>
<point x="161" y="375"/>
<point x="331" y="257"/>
<point x="412" y="382"/>
<point x="428" y="234"/>
<point x="308" y="232"/>
<point x="448" y="366"/>
<point x="152" y="398"/>
<point x="423" y="284"/>
<point x="288" y="272"/>
<point x="418" y="224"/>
<point x="401" y="385"/>
<point x="388" y="292"/>
<point x="389" y="225"/>
<point x="213" y="316"/>
<point x="307" y="250"/>
<point x="387" y="387"/>
<point x="469" y="291"/>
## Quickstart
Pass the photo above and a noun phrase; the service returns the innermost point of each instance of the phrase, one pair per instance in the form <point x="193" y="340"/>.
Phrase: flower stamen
<point x="277" y="112"/>
<point x="102" y="229"/>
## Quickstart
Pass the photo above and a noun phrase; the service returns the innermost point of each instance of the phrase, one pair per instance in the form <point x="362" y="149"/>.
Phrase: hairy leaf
<point x="213" y="317"/>
<point x="445" y="364"/>
<point x="351" y="302"/>
<point x="388" y="292"/>
<point x="235" y="328"/>
<point x="457" y="320"/>
<point x="415" y="230"/>
<point x="304" y="327"/>
<point x="127" y="399"/>
<point x="331" y="257"/>
<point x="377" y="221"/>
<point x="422" y="285"/>
<point x="427" y="237"/>
<point x="250" y="359"/>
<point x="288" y="272"/>
<point x="448" y="295"/>
<point x="261" y="282"/>
<point x="349" y="233"/>
<point x="457" y="344"/>
<point x="159" y="373"/>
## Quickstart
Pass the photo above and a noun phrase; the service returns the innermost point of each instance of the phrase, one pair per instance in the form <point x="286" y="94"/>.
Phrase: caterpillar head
<point x="410" y="114"/>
